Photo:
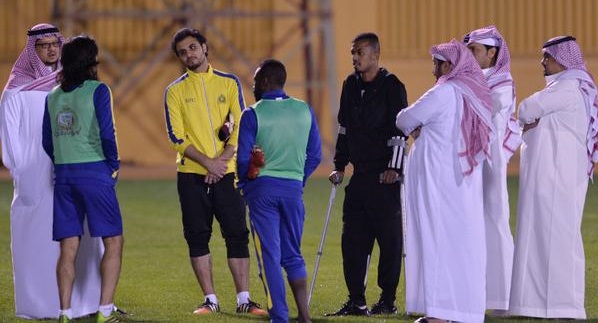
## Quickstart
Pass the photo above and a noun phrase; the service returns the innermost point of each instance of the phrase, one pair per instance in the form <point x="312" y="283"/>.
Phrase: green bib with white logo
<point x="75" y="128"/>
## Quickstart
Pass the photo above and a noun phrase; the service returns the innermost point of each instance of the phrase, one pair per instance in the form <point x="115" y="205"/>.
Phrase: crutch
<point x="367" y="269"/>
<point x="404" y="222"/>
<point x="404" y="208"/>
<point x="322" y="240"/>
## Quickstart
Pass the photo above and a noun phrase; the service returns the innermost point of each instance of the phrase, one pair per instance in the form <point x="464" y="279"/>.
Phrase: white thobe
<point x="549" y="265"/>
<point x="446" y="250"/>
<point x="499" y="240"/>
<point x="34" y="253"/>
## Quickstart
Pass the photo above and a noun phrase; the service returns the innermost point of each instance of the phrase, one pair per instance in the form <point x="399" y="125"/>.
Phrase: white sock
<point x="68" y="312"/>
<point x="106" y="310"/>
<point x="242" y="298"/>
<point x="212" y="298"/>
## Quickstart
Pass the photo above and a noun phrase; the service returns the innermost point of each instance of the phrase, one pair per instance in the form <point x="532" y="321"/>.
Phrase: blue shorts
<point x="73" y="202"/>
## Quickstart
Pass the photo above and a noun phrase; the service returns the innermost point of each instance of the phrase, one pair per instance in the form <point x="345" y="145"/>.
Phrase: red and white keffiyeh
<point x="476" y="121"/>
<point x="503" y="60"/>
<point x="29" y="70"/>
<point x="566" y="51"/>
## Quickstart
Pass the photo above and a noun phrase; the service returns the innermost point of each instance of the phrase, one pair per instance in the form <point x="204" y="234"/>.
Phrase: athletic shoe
<point x="252" y="308"/>
<point x="64" y="319"/>
<point x="112" y="318"/>
<point x="383" y="308"/>
<point x="207" y="308"/>
<point x="121" y="312"/>
<point x="350" y="308"/>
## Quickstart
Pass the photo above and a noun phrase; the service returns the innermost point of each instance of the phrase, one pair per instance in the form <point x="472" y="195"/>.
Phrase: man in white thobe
<point x="446" y="245"/>
<point x="559" y="147"/>
<point x="34" y="254"/>
<point x="491" y="51"/>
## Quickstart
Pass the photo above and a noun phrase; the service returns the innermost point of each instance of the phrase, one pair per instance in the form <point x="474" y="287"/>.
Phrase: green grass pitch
<point x="157" y="283"/>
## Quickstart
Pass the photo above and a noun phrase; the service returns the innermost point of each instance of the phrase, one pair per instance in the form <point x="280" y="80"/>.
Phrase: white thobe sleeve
<point x="502" y="98"/>
<point x="11" y="122"/>
<point x="425" y="109"/>
<point x="551" y="99"/>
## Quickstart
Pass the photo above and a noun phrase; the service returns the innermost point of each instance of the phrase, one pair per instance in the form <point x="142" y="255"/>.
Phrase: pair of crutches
<point x="325" y="230"/>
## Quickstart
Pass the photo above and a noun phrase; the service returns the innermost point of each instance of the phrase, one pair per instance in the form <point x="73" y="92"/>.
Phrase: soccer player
<point x="286" y="131"/>
<point x="369" y="140"/>
<point x="197" y="105"/>
<point x="79" y="135"/>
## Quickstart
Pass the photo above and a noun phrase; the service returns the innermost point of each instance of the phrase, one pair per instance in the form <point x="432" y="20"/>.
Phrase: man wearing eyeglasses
<point x="558" y="155"/>
<point x="48" y="51"/>
<point x="34" y="254"/>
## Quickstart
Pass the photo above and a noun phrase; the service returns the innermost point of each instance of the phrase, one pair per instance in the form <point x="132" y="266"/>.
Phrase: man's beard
<point x="194" y="67"/>
<point x="52" y="65"/>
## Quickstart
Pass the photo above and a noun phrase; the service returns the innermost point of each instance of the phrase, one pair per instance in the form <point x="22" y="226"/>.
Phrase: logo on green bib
<point x="67" y="124"/>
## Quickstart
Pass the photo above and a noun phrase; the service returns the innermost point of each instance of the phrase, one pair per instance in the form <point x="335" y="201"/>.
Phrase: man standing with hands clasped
<point x="197" y="105"/>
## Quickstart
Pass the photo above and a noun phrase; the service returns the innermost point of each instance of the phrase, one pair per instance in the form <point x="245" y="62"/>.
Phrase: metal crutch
<point x="404" y="207"/>
<point x="322" y="240"/>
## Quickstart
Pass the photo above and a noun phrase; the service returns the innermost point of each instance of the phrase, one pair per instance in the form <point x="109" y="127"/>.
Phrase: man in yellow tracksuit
<point x="201" y="107"/>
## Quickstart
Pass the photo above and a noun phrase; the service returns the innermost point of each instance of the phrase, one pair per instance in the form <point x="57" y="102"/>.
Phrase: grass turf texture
<point x="158" y="285"/>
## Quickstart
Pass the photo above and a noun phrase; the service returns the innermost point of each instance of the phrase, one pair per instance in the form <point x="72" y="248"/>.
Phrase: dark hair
<point x="488" y="47"/>
<point x="466" y="38"/>
<point x="274" y="71"/>
<point x="78" y="57"/>
<point x="184" y="33"/>
<point x="371" y="38"/>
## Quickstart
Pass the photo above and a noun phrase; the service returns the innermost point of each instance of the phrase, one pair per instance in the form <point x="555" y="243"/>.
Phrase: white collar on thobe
<point x="553" y="77"/>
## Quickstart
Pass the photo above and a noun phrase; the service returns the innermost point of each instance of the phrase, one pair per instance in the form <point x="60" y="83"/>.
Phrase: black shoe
<point x="383" y="308"/>
<point x="350" y="308"/>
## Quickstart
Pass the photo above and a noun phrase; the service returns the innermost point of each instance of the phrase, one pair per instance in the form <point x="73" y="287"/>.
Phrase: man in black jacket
<point x="368" y="139"/>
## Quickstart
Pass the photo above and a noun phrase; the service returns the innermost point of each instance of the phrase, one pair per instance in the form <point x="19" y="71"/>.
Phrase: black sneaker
<point x="252" y="308"/>
<point x="350" y="308"/>
<point x="383" y="308"/>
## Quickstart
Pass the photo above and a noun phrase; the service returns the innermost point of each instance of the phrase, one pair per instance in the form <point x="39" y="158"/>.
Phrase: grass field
<point x="157" y="283"/>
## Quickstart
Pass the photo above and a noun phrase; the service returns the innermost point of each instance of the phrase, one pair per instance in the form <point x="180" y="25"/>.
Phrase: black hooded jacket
<point x="367" y="122"/>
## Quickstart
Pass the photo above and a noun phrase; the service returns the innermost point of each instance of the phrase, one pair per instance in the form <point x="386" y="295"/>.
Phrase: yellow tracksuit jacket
<point x="196" y="106"/>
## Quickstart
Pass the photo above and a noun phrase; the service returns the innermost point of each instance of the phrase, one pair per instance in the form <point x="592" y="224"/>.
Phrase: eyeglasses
<point x="55" y="44"/>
